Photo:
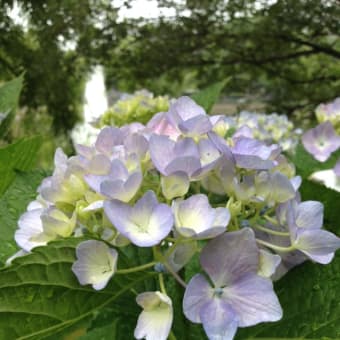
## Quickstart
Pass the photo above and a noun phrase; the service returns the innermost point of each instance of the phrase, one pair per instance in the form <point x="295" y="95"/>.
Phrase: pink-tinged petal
<point x="108" y="138"/>
<point x="160" y="125"/>
<point x="310" y="215"/>
<point x="219" y="320"/>
<point x="154" y="323"/>
<point x="254" y="300"/>
<point x="197" y="294"/>
<point x="315" y="243"/>
<point x="96" y="263"/>
<point x="225" y="259"/>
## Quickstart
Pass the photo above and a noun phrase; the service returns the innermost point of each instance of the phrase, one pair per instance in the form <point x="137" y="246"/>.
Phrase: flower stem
<point x="271" y="219"/>
<point x="274" y="247"/>
<point x="175" y="275"/>
<point x="270" y="231"/>
<point x="161" y="283"/>
<point x="136" y="269"/>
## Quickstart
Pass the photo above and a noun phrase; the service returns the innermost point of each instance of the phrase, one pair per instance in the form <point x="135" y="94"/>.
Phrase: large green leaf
<point x="9" y="98"/>
<point x="40" y="296"/>
<point x="21" y="156"/>
<point x="12" y="204"/>
<point x="209" y="96"/>
<point x="310" y="298"/>
<point x="306" y="164"/>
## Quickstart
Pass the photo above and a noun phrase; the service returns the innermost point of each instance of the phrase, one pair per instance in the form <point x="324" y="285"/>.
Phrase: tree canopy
<point x="286" y="52"/>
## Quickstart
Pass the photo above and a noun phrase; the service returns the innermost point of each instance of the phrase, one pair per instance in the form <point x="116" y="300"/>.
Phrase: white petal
<point x="154" y="323"/>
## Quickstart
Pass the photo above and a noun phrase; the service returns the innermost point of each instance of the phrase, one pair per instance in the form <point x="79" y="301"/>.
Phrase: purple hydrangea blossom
<point x="304" y="221"/>
<point x="329" y="112"/>
<point x="160" y="125"/>
<point x="238" y="296"/>
<point x="119" y="182"/>
<point x="184" y="155"/>
<point x="188" y="118"/>
<point x="253" y="154"/>
<point x="321" y="141"/>
<point x="194" y="217"/>
<point x="108" y="138"/>
<point x="145" y="224"/>
<point x="66" y="183"/>
<point x="169" y="156"/>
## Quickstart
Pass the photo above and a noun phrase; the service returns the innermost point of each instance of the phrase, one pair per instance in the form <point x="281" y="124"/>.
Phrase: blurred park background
<point x="77" y="55"/>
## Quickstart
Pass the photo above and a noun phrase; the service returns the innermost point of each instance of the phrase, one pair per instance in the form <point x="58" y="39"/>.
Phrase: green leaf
<point x="306" y="164"/>
<point x="40" y="296"/>
<point x="21" y="156"/>
<point x="117" y="321"/>
<point x="12" y="204"/>
<point x="209" y="96"/>
<point x="9" y="98"/>
<point x="310" y="299"/>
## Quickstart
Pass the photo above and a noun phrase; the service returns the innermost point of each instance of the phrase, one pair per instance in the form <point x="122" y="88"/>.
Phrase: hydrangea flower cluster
<point x="329" y="112"/>
<point x="270" y="128"/>
<point x="323" y="140"/>
<point x="137" y="107"/>
<point x="177" y="186"/>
